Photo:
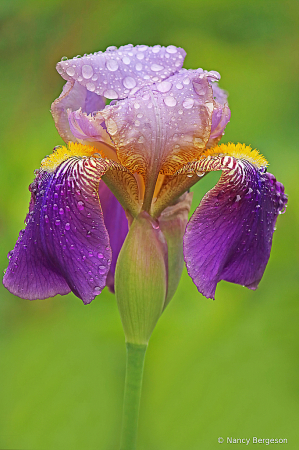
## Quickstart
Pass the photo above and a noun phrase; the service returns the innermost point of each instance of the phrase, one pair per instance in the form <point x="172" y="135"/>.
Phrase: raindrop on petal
<point x="70" y="71"/>
<point x="80" y="205"/>
<point x="156" y="67"/>
<point x="111" y="94"/>
<point x="87" y="71"/>
<point x="164" y="86"/>
<point x="112" y="65"/>
<point x="129" y="82"/>
<point x="170" y="101"/>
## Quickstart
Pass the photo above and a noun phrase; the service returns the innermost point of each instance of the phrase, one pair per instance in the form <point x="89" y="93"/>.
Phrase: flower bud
<point x="141" y="279"/>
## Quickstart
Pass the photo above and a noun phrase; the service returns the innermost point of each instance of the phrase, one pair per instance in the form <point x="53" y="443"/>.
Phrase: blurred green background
<point x="222" y="368"/>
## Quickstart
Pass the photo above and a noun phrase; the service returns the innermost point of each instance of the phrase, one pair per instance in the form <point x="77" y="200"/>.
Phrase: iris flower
<point x="137" y="157"/>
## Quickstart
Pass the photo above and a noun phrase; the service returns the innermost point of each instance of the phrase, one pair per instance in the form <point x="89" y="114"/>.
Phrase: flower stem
<point x="133" y="384"/>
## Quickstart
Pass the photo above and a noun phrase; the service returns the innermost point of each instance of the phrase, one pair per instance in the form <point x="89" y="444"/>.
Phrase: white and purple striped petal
<point x="65" y="245"/>
<point x="229" y="236"/>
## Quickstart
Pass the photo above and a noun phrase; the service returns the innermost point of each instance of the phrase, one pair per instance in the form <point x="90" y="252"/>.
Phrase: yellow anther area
<point x="62" y="153"/>
<point x="238" y="151"/>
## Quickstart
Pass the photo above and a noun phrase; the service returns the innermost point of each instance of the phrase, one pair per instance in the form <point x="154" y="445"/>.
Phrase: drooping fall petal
<point x="116" y="224"/>
<point x="65" y="245"/>
<point x="229" y="236"/>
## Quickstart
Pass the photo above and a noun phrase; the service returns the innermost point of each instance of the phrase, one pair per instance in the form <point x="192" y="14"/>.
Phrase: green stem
<point x="133" y="384"/>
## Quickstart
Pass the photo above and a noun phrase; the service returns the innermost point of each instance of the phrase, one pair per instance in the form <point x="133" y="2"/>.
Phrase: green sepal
<point x="173" y="221"/>
<point x="141" y="279"/>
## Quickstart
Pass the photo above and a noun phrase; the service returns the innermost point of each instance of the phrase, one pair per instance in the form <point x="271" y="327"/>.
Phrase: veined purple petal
<point x="164" y="126"/>
<point x="87" y="128"/>
<point x="59" y="249"/>
<point x="73" y="97"/>
<point x="221" y="114"/>
<point x="118" y="72"/>
<point x="116" y="224"/>
<point x="229" y="236"/>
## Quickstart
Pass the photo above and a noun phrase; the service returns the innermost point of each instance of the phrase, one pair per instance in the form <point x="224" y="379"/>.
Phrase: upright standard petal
<point x="65" y="245"/>
<point x="73" y="97"/>
<point x="164" y="126"/>
<point x="229" y="236"/>
<point x="117" y="73"/>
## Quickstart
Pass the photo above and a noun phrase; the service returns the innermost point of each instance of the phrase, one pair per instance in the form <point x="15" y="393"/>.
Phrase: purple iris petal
<point x="117" y="72"/>
<point x="229" y="236"/>
<point x="117" y="226"/>
<point x="88" y="128"/>
<point x="165" y="125"/>
<point x="221" y="114"/>
<point x="73" y="97"/>
<point x="65" y="245"/>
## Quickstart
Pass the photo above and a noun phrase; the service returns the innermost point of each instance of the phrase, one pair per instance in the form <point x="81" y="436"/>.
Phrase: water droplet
<point x="61" y="211"/>
<point x="129" y="82"/>
<point x="70" y="71"/>
<point x="156" y="67"/>
<point x="136" y="105"/>
<point x="238" y="198"/>
<point x="100" y="255"/>
<point x="189" y="175"/>
<point x="170" y="101"/>
<point x="111" y="48"/>
<point x="97" y="290"/>
<point x="180" y="111"/>
<point x="102" y="270"/>
<point x="140" y="56"/>
<point x="57" y="222"/>
<point x="137" y="123"/>
<point x="55" y="207"/>
<point x="111" y="126"/>
<point x="138" y="66"/>
<point x="112" y="65"/>
<point x="164" y="86"/>
<point x="150" y="105"/>
<point x="67" y="226"/>
<point x="90" y="86"/>
<point x="139" y="116"/>
<point x="188" y="103"/>
<point x="46" y="219"/>
<point x="156" y="48"/>
<point x="140" y="139"/>
<point x="80" y="205"/>
<point x="179" y="86"/>
<point x="186" y="81"/>
<point x="72" y="246"/>
<point x="126" y="60"/>
<point x="64" y="58"/>
<point x="199" y="173"/>
<point x="171" y="49"/>
<point x="87" y="71"/>
<point x="111" y="94"/>
<point x="142" y="48"/>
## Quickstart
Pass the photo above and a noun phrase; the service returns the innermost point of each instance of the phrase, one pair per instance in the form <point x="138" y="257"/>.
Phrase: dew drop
<point x="102" y="270"/>
<point x="46" y="219"/>
<point x="156" y="48"/>
<point x="55" y="207"/>
<point x="170" y="101"/>
<point x="138" y="66"/>
<point x="140" y="139"/>
<point x="97" y="290"/>
<point x="80" y="205"/>
<point x="111" y="126"/>
<point x="136" y="105"/>
<point x="188" y="103"/>
<point x="139" y="116"/>
<point x="189" y="175"/>
<point x="156" y="67"/>
<point x="126" y="60"/>
<point x="140" y="56"/>
<point x="186" y="81"/>
<point x="57" y="222"/>
<point x="67" y="226"/>
<point x="70" y="71"/>
<point x="129" y="82"/>
<point x="179" y="86"/>
<point x="171" y="49"/>
<point x="61" y="211"/>
<point x="90" y="86"/>
<point x="64" y="58"/>
<point x="164" y="86"/>
<point x="137" y="123"/>
<point x="100" y="255"/>
<point x="180" y="111"/>
<point x="87" y="71"/>
<point x="111" y="94"/>
<point x="112" y="65"/>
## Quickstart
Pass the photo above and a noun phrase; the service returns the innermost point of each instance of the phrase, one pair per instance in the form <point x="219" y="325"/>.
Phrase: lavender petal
<point x="116" y="73"/>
